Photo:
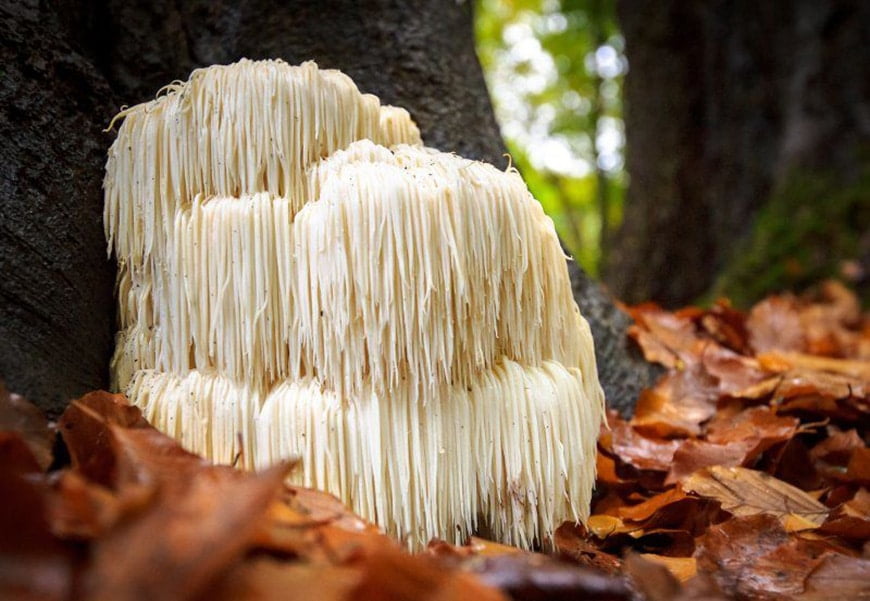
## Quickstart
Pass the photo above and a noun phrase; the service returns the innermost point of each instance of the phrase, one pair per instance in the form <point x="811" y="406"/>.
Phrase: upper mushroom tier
<point x="404" y="264"/>
<point x="234" y="130"/>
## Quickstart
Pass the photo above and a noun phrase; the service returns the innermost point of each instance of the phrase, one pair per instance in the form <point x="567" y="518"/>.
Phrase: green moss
<point x="810" y="226"/>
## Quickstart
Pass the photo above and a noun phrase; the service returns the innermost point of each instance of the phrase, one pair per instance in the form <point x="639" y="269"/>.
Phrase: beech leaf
<point x="746" y="492"/>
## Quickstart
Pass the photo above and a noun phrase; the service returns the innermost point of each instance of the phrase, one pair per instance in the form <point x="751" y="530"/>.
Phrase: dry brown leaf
<point x="802" y="382"/>
<point x="733" y="440"/>
<point x="84" y="427"/>
<point x="775" y="323"/>
<point x="733" y="372"/>
<point x="837" y="449"/>
<point x="640" y="451"/>
<point x="389" y="573"/>
<point x="727" y="326"/>
<point x="474" y="547"/>
<point x="746" y="492"/>
<point x="186" y="538"/>
<point x="34" y="565"/>
<point x="664" y="337"/>
<point x="858" y="470"/>
<point x="759" y="423"/>
<point x="693" y="455"/>
<point x="791" y="360"/>
<point x="267" y="579"/>
<point x="677" y="405"/>
<point x="81" y="510"/>
<point x="642" y="512"/>
<point x="682" y="568"/>
<point x="603" y="526"/>
<point x="758" y="391"/>
<point x="535" y="576"/>
<point x="753" y="557"/>
<point x="19" y="415"/>
<point x="488" y="548"/>
<point x="654" y="581"/>
<point x="573" y="543"/>
<point x="838" y="577"/>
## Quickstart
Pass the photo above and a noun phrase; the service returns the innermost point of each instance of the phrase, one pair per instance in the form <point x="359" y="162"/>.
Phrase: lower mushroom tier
<point x="514" y="451"/>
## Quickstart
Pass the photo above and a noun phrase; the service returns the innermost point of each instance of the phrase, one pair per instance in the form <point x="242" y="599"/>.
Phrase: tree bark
<point x="56" y="308"/>
<point x="727" y="103"/>
<point x="417" y="55"/>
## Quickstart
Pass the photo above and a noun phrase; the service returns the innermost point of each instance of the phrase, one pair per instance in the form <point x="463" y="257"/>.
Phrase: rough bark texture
<point x="622" y="370"/>
<point x="725" y="103"/>
<point x="55" y="281"/>
<point x="57" y="314"/>
<point x="418" y="55"/>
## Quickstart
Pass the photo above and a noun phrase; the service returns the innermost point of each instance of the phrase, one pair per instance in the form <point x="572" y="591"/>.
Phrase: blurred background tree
<point x="740" y="164"/>
<point x="555" y="71"/>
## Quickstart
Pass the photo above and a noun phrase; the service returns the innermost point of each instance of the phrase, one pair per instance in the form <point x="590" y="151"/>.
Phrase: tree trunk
<point x="731" y="107"/>
<point x="417" y="55"/>
<point x="56" y="308"/>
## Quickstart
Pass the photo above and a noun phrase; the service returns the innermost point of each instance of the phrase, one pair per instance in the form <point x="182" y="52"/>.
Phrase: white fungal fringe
<point x="417" y="266"/>
<point x="253" y="126"/>
<point x="515" y="448"/>
<point x="400" y="318"/>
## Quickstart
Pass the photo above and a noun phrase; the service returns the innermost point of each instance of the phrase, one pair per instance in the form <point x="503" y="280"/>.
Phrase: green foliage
<point x="555" y="72"/>
<point x="801" y="236"/>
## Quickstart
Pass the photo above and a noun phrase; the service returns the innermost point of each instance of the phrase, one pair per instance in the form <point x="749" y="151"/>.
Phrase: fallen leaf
<point x="733" y="372"/>
<point x="267" y="579"/>
<point x="753" y="557"/>
<point x="761" y="424"/>
<point x="316" y="526"/>
<point x="775" y="324"/>
<point x="488" y="548"/>
<point x="640" y="451"/>
<point x="84" y="427"/>
<point x="681" y="568"/>
<point x="848" y="527"/>
<point x="34" y="564"/>
<point x="838" y="447"/>
<point x="652" y="579"/>
<point x="677" y="405"/>
<point x="535" y="576"/>
<point x="761" y="390"/>
<point x="844" y="410"/>
<point x="732" y="441"/>
<point x="389" y="573"/>
<point x="572" y="543"/>
<point x="693" y="455"/>
<point x="838" y="577"/>
<point x="81" y="510"/>
<point x="665" y="337"/>
<point x="186" y="538"/>
<point x="800" y="361"/>
<point x="727" y="326"/>
<point x="19" y="415"/>
<point x="791" y="462"/>
<point x="603" y="526"/>
<point x="858" y="470"/>
<point x="803" y="382"/>
<point x="746" y="492"/>
<point x="642" y="512"/>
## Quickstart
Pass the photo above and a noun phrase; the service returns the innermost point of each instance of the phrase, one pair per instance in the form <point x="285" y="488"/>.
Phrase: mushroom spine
<point x="298" y="272"/>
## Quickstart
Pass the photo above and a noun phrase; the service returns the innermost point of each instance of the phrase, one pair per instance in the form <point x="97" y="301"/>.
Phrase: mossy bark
<point x="817" y="226"/>
<point x="727" y="104"/>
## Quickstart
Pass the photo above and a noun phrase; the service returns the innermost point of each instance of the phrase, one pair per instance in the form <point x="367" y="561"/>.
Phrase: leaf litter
<point x="744" y="474"/>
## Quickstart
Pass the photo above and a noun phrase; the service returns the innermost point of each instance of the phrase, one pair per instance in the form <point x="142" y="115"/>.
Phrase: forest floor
<point x="744" y="473"/>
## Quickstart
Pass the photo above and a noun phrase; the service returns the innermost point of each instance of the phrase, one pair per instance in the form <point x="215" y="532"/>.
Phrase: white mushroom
<point x="399" y="318"/>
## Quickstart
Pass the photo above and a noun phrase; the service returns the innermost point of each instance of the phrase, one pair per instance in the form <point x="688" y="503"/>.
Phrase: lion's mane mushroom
<point x="299" y="275"/>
